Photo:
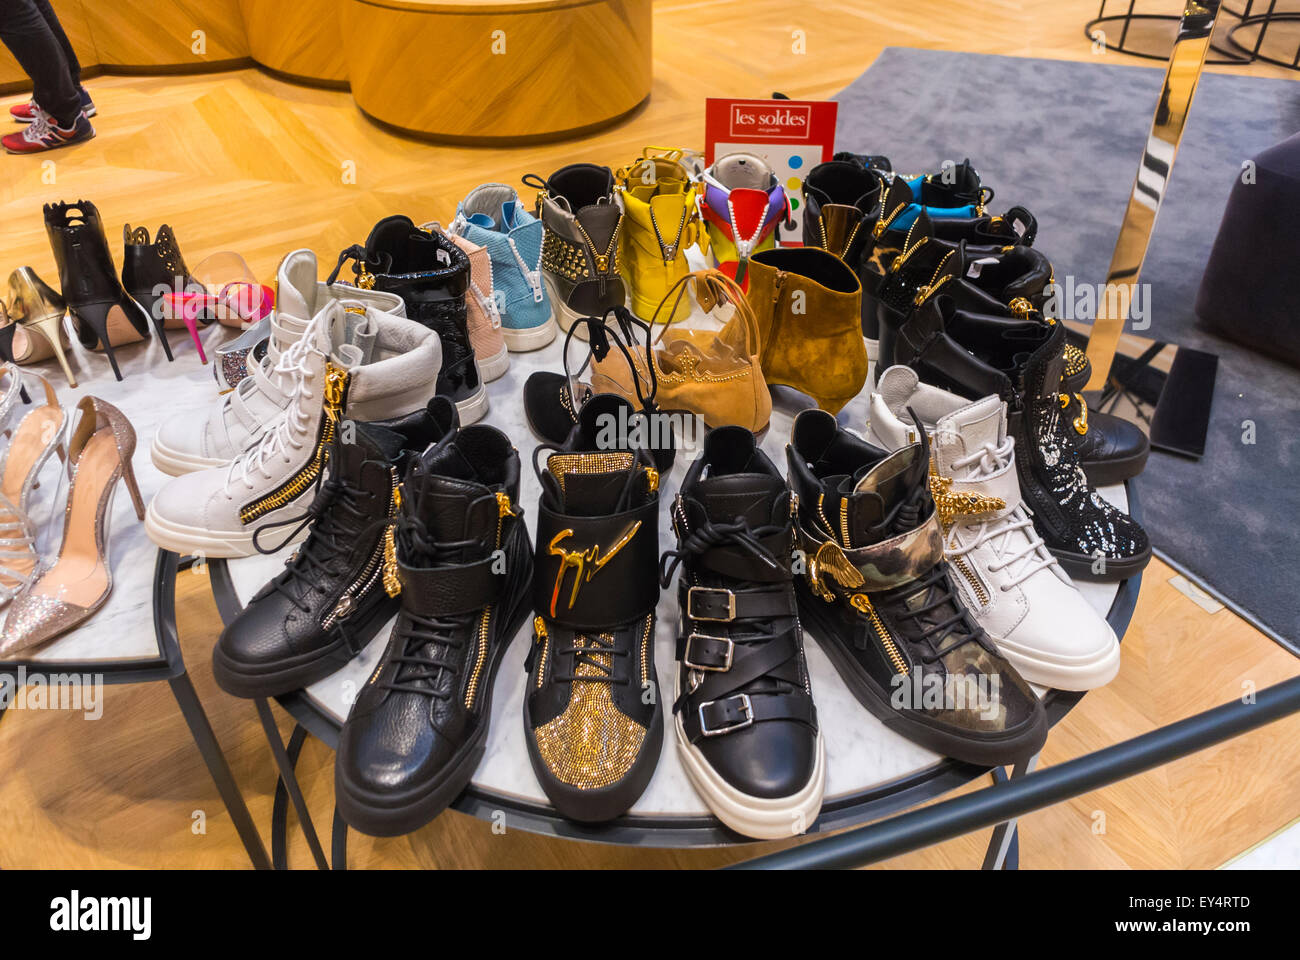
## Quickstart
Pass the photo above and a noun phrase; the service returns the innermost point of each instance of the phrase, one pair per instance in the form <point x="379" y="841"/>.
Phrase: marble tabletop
<point x="152" y="389"/>
<point x="860" y="751"/>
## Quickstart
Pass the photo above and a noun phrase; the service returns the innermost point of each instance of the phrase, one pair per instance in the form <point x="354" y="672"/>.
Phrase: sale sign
<point x="791" y="135"/>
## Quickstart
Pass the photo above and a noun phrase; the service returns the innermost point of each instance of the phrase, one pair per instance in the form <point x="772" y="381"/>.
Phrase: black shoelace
<point x="339" y="523"/>
<point x="599" y="653"/>
<point x="935" y="586"/>
<point x="429" y="643"/>
<point x="738" y="533"/>
<point x="362" y="260"/>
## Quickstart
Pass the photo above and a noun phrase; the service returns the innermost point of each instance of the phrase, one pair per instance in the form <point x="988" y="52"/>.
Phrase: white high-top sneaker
<point x="346" y="366"/>
<point x="1008" y="578"/>
<point x="242" y="415"/>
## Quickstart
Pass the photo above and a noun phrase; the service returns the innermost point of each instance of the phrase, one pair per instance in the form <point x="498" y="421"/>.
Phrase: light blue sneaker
<point x="492" y="216"/>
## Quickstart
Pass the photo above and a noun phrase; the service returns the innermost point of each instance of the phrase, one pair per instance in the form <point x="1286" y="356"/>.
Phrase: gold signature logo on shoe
<point x="830" y="559"/>
<point x="585" y="563"/>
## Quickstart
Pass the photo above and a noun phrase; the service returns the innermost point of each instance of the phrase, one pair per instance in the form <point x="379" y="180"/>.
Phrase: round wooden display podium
<point x="491" y="70"/>
<point x="462" y="71"/>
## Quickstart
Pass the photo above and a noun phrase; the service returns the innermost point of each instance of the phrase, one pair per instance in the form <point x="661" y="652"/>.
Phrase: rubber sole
<point x="494" y="367"/>
<point x="475" y="408"/>
<point x="1080" y="566"/>
<point x="177" y="463"/>
<point x="606" y="803"/>
<point x="527" y="339"/>
<point x="188" y="541"/>
<point x="392" y="815"/>
<point x="1105" y="473"/>
<point x="762" y="818"/>
<point x="1045" y="672"/>
<point x="985" y="751"/>
<point x="293" y="673"/>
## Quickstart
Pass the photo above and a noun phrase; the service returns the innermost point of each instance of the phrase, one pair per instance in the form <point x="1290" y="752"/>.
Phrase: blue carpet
<point x="1064" y="140"/>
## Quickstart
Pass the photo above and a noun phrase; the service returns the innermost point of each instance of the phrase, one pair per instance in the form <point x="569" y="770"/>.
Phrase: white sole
<point x="530" y="338"/>
<point x="190" y="541"/>
<point x="494" y="367"/>
<point x="1059" y="676"/>
<point x="175" y="463"/>
<point x="474" y="409"/>
<point x="762" y="818"/>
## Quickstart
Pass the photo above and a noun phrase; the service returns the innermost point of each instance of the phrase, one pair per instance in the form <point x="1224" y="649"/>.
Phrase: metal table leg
<point x="1004" y="847"/>
<point x="208" y="746"/>
<point x="289" y="780"/>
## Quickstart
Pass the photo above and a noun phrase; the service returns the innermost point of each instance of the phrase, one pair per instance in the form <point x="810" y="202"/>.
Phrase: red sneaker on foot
<point x="44" y="134"/>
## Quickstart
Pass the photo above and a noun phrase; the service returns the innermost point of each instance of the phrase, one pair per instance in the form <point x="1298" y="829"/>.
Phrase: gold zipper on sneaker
<point x="392" y="582"/>
<point x="964" y="569"/>
<point x="862" y="603"/>
<point x="376" y="567"/>
<point x="503" y="510"/>
<point x="844" y="521"/>
<point x="336" y="383"/>
<point x="544" y="638"/>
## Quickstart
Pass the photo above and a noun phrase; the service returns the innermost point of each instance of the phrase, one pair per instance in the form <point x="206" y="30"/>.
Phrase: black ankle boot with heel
<point x="103" y="313"/>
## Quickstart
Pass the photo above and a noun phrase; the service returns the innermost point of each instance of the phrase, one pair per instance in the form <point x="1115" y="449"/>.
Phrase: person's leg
<point x="56" y="28"/>
<point x="29" y="38"/>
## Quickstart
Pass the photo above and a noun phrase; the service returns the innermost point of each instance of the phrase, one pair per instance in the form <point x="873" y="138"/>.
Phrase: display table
<point x="132" y="638"/>
<point x="871" y="771"/>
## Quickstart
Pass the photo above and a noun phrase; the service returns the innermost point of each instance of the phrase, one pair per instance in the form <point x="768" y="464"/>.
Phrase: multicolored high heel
<point x="37" y="312"/>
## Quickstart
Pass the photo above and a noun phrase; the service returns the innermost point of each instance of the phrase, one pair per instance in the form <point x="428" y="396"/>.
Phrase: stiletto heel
<point x="39" y="310"/>
<point x="77" y="582"/>
<point x="92" y="329"/>
<point x="192" y="325"/>
<point x="133" y="488"/>
<point x="105" y="314"/>
<point x="40" y="431"/>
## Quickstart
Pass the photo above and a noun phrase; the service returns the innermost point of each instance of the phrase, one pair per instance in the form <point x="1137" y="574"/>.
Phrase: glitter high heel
<point x="68" y="589"/>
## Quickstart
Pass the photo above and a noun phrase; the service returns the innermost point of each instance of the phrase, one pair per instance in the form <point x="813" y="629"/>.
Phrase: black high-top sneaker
<point x="1008" y="279"/>
<point x="591" y="710"/>
<point x="431" y="275"/>
<point x="841" y="206"/>
<point x="1110" y="449"/>
<point x="329" y="601"/>
<point x="582" y="222"/>
<point x="461" y="560"/>
<point x="1022" y="364"/>
<point x="879" y="598"/>
<point x="746" y="725"/>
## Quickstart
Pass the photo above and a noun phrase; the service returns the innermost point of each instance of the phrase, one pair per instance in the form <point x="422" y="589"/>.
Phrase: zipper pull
<point x="392" y="583"/>
<point x="862" y="603"/>
<point x="777" y="283"/>
<point x="651" y="479"/>
<point x="336" y="382"/>
<point x="539" y="639"/>
<point x="503" y="505"/>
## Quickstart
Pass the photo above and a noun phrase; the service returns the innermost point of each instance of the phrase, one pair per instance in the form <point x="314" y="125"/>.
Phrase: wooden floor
<point x="246" y="162"/>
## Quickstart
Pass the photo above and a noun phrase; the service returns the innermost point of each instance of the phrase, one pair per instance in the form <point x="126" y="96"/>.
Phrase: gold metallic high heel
<point x="69" y="588"/>
<point x="39" y="311"/>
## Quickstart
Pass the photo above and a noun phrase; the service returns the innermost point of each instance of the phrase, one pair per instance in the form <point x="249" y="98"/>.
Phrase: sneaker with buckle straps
<point x="746" y="725"/>
<point x="346" y="366"/>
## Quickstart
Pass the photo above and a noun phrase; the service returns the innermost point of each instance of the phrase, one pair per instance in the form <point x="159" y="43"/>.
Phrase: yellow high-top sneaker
<point x="661" y="222"/>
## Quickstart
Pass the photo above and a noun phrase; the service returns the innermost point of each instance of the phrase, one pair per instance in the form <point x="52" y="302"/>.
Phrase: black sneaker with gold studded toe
<point x="592" y="718"/>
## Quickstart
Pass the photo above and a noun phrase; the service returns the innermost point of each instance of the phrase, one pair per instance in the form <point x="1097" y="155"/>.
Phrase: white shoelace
<point x="1018" y="547"/>
<point x="286" y="436"/>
